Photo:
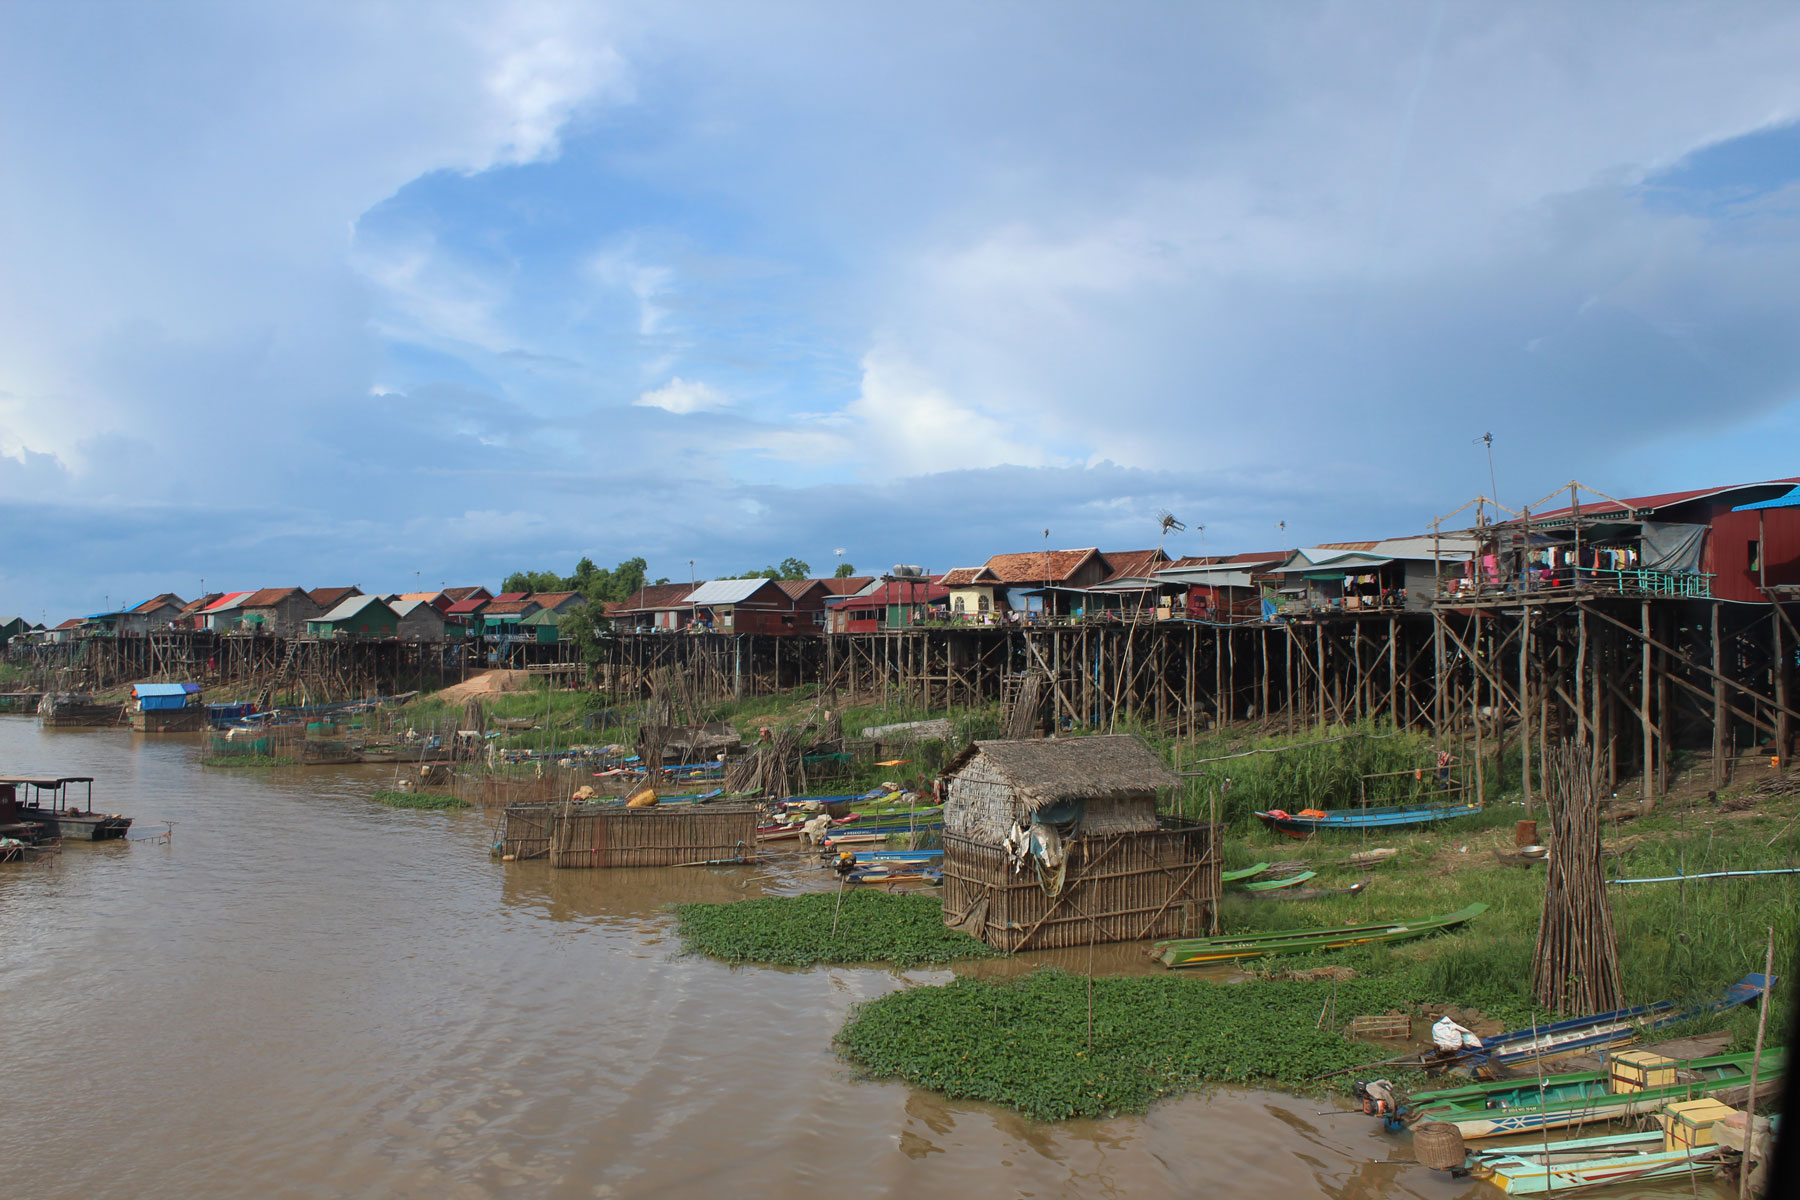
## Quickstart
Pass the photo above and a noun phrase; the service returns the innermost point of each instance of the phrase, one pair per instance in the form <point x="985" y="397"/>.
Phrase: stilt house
<point x="1058" y="842"/>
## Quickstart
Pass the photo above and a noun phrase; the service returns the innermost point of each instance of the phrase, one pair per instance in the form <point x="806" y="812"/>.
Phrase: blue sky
<point x="385" y="293"/>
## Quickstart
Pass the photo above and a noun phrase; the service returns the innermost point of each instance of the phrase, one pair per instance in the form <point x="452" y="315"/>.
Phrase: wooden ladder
<point x="282" y="671"/>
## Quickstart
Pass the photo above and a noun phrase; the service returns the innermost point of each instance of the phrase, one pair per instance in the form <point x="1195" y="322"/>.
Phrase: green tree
<point x="844" y="571"/>
<point x="535" y="581"/>
<point x="793" y="568"/>
<point x="585" y="623"/>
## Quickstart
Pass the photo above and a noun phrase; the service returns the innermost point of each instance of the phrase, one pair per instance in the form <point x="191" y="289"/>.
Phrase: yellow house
<point x="974" y="594"/>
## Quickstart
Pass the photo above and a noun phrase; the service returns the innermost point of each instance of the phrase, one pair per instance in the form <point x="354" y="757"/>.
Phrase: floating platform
<point x="612" y="835"/>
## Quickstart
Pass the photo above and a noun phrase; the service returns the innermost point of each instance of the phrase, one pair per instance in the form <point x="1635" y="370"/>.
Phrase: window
<point x="959" y="604"/>
<point x="981" y="602"/>
<point x="1755" y="555"/>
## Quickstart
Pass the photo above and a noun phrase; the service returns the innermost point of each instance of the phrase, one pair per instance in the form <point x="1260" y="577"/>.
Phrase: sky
<point x="411" y="294"/>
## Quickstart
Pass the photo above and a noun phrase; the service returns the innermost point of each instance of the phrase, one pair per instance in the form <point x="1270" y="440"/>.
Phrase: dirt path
<point x="485" y="683"/>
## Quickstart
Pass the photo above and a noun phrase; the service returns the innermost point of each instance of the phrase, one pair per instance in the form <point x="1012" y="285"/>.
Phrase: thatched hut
<point x="1058" y="842"/>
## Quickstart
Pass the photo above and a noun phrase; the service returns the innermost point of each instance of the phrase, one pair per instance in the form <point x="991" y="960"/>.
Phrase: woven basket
<point x="1438" y="1145"/>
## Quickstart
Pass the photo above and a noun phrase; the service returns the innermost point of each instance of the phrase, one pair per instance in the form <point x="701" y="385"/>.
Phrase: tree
<point x="844" y="571"/>
<point x="535" y="581"/>
<point x="585" y="624"/>
<point x="592" y="581"/>
<point x="793" y="568"/>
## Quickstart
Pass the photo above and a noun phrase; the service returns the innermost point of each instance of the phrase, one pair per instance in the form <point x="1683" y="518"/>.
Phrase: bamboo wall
<point x="1118" y="888"/>
<point x="614" y="836"/>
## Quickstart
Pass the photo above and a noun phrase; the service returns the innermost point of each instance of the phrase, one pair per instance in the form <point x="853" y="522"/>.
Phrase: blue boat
<point x="1604" y="1029"/>
<point x="1313" y="820"/>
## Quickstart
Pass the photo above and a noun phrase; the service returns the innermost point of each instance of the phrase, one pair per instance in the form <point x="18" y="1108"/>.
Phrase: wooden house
<point x="281" y="611"/>
<point x="896" y="604"/>
<point x="356" y="617"/>
<point x="656" y="606"/>
<point x="748" y="606"/>
<point x="417" y="620"/>
<point x="1220" y="589"/>
<point x="167" y="708"/>
<point x="158" y="612"/>
<point x="1058" y="842"/>
<point x="974" y="594"/>
<point x="223" y="614"/>
<point x="555" y="603"/>
<point x="500" y="617"/>
<point x="1045" y="581"/>
<point x="457" y="595"/>
<point x="329" y="598"/>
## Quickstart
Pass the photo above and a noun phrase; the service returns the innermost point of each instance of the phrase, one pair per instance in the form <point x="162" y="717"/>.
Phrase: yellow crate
<point x="1635" y="1070"/>
<point x="1690" y="1123"/>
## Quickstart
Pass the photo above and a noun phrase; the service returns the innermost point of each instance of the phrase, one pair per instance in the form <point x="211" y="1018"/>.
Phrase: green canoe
<point x="1200" y="952"/>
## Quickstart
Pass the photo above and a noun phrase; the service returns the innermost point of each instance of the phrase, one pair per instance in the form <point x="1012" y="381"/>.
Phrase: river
<point x="305" y="994"/>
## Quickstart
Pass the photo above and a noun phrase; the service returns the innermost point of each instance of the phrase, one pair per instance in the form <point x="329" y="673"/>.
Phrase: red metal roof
<point x="654" y="597"/>
<point x="468" y="593"/>
<point x="1037" y="566"/>
<point x="1671" y="499"/>
<point x="1134" y="564"/>
<point x="799" y="589"/>
<point x="848" y="584"/>
<point x="330" y="598"/>
<point x="71" y="623"/>
<point x="270" y="596"/>
<point x="156" y="602"/>
<point x="510" y="596"/>
<point x="234" y="599"/>
<point x="463" y="608"/>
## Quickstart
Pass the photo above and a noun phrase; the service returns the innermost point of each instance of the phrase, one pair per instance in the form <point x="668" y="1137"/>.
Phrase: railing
<point x="1563" y="581"/>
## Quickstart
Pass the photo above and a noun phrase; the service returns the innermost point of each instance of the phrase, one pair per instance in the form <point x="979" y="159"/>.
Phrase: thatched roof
<point x="1047" y="771"/>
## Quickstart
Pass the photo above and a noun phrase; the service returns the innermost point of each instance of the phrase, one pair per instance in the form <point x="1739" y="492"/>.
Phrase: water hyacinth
<point x="797" y="931"/>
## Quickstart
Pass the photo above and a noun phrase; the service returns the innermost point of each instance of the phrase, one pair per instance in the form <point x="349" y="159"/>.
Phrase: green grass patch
<point x="797" y="931"/>
<point x="1024" y="1042"/>
<point x="426" y="800"/>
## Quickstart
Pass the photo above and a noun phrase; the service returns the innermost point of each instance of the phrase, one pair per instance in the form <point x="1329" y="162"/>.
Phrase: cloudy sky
<point x="376" y="293"/>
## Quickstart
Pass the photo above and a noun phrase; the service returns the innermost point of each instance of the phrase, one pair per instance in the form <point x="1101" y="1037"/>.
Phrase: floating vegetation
<point x="428" y="800"/>
<point x="1024" y="1042"/>
<point x="799" y="931"/>
<point x="248" y="760"/>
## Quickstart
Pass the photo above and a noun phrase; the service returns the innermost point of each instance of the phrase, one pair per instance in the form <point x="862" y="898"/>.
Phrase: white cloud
<point x="680" y="396"/>
<point x="910" y="423"/>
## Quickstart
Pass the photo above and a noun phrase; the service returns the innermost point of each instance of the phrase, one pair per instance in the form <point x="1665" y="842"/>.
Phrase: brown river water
<point x="305" y="994"/>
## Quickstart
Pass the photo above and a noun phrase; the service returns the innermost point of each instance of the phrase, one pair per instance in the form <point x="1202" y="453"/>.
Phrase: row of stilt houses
<point x="1658" y="628"/>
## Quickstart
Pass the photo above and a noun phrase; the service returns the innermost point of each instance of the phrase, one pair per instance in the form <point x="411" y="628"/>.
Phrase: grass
<point x="800" y="931"/>
<point x="424" y="800"/>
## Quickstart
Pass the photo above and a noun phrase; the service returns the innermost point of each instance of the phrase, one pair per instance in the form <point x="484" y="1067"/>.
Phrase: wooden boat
<point x="1309" y="893"/>
<point x="1617" y="1028"/>
<point x="1274" y="885"/>
<point x="1243" y="873"/>
<point x="932" y="876"/>
<point x="1199" y="952"/>
<point x="47" y="807"/>
<point x="1513" y="1106"/>
<point x="1305" y="824"/>
<point x="1528" y="1170"/>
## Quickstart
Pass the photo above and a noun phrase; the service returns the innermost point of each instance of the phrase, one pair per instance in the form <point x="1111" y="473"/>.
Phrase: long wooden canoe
<point x="1200" y="952"/>
<point x="1272" y="885"/>
<point x="1243" y="873"/>
<point x="1295" y="825"/>
<point x="1514" y="1106"/>
<point x="1560" y="1039"/>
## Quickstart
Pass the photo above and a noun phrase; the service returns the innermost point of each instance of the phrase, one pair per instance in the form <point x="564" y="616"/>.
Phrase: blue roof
<point x="140" y="690"/>
<point x="1790" y="500"/>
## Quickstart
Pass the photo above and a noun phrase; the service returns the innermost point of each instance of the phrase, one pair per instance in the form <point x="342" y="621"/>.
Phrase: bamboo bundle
<point x="1576" y="964"/>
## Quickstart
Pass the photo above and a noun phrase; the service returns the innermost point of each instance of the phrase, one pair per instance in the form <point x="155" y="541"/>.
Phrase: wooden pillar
<point x="1783" y="734"/>
<point x="1525" y="705"/>
<point x="1646" y="727"/>
<point x="1721" y="720"/>
<point x="1319" y="668"/>
<point x="1437" y="677"/>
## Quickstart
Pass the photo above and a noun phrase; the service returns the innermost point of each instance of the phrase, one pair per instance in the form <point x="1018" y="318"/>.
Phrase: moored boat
<point x="1199" y="952"/>
<point x="1533" y="1170"/>
<point x="1617" y="1028"/>
<point x="44" y="804"/>
<point x="1513" y="1106"/>
<point x="1307" y="822"/>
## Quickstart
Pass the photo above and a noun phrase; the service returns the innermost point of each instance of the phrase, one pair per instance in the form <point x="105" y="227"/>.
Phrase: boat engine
<point x="1377" y="1096"/>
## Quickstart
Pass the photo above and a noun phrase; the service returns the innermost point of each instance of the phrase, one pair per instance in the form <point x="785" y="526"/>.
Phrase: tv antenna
<point x="1166" y="520"/>
<point x="1487" y="439"/>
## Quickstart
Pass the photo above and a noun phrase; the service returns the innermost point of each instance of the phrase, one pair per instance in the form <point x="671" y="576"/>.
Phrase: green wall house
<point x="543" y="625"/>
<point x="360" y="617"/>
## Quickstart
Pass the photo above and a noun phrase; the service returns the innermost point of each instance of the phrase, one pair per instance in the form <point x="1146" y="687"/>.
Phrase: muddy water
<point x="304" y="994"/>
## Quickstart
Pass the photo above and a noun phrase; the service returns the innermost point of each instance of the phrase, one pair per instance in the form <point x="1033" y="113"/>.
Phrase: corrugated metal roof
<point x="898" y="591"/>
<point x="1601" y="508"/>
<point x="404" y="607"/>
<point x="228" y="601"/>
<point x="349" y="608"/>
<point x="799" y="589"/>
<point x="1036" y="566"/>
<point x="270" y="596"/>
<point x="1133" y="564"/>
<point x="847" y="585"/>
<point x="468" y="593"/>
<point x="463" y="608"/>
<point x="656" y="597"/>
<point x="552" y="599"/>
<point x="508" y="608"/>
<point x="140" y="690"/>
<point x="162" y="601"/>
<point x="727" y="591"/>
<point x="332" y="596"/>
